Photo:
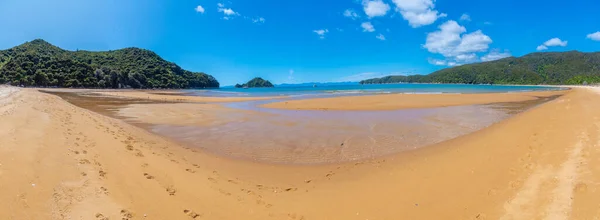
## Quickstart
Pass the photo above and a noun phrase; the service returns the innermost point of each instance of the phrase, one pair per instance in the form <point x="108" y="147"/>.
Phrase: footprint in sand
<point x="104" y="190"/>
<point x="330" y="174"/>
<point x="100" y="216"/>
<point x="102" y="173"/>
<point x="191" y="213"/>
<point x="148" y="176"/>
<point x="291" y="189"/>
<point x="171" y="190"/>
<point x="190" y="170"/>
<point x="126" y="214"/>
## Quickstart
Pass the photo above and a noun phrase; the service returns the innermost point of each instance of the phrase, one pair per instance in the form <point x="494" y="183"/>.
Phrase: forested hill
<point x="38" y="63"/>
<point x="571" y="67"/>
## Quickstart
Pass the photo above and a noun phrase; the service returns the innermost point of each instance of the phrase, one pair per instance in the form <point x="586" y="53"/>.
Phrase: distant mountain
<point x="38" y="63"/>
<point x="255" y="83"/>
<point x="552" y="68"/>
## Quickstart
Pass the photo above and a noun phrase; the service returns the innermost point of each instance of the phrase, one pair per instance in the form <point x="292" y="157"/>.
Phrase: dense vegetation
<point x="537" y="68"/>
<point x="255" y="83"/>
<point x="38" y="63"/>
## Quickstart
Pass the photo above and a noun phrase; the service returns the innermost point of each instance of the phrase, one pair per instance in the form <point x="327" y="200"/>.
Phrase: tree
<point x="40" y="78"/>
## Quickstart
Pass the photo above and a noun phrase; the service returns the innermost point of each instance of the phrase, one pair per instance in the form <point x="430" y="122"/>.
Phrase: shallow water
<point x="315" y="137"/>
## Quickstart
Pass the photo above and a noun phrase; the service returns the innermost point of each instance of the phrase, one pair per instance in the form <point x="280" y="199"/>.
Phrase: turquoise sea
<point x="357" y="89"/>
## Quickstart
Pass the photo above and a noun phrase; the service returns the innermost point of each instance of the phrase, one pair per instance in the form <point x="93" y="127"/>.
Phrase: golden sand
<point x="58" y="161"/>
<point x="407" y="101"/>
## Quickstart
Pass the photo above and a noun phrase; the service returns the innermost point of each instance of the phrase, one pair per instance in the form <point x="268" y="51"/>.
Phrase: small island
<point x="256" y="83"/>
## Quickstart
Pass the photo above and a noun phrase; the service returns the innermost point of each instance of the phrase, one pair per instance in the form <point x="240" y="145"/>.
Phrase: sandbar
<point x="407" y="101"/>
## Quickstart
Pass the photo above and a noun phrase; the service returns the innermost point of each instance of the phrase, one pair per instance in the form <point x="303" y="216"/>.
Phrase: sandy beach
<point x="407" y="101"/>
<point x="60" y="161"/>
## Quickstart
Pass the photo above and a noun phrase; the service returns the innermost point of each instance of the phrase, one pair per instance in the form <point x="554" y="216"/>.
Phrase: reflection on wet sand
<point x="330" y="137"/>
<point x="244" y="131"/>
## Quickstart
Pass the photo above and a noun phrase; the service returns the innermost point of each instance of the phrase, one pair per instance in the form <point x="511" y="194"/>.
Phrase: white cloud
<point x="351" y="14"/>
<point x="437" y="62"/>
<point x="199" y="9"/>
<point x="466" y="58"/>
<point x="594" y="36"/>
<point x="367" y="27"/>
<point x="418" y="12"/>
<point x="465" y="17"/>
<point x="474" y="42"/>
<point x="457" y="46"/>
<point x="496" y="55"/>
<point x="487" y="23"/>
<point x="258" y="20"/>
<point x="321" y="33"/>
<point x="554" y="42"/>
<point x="227" y="11"/>
<point x="380" y="37"/>
<point x="375" y="8"/>
<point x="451" y="42"/>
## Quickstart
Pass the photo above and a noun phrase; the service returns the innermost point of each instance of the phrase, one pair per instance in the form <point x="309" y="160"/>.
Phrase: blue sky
<point x="309" y="40"/>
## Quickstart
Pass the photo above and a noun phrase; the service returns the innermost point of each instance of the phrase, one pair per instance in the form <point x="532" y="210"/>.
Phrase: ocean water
<point x="357" y="89"/>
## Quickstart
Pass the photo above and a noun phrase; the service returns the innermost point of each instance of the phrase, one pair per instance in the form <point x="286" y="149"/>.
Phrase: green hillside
<point x="38" y="63"/>
<point x="552" y="68"/>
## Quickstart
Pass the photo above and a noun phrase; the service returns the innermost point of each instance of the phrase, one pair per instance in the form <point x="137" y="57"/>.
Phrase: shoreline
<point x="523" y="167"/>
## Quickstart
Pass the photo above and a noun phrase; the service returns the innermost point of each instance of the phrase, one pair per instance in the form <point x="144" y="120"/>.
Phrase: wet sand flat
<point x="59" y="161"/>
<point x="302" y="137"/>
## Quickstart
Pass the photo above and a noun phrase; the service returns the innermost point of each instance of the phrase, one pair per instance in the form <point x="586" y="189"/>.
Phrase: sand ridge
<point x="59" y="161"/>
<point x="156" y="95"/>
